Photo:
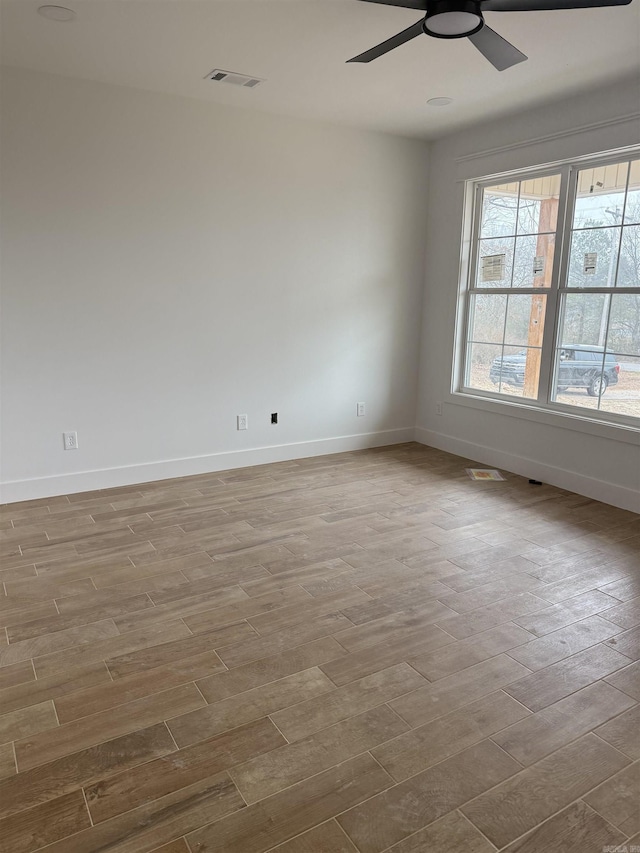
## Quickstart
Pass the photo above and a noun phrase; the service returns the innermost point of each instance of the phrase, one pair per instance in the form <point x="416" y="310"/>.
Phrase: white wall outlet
<point x="243" y="422"/>
<point x="360" y="410"/>
<point x="438" y="408"/>
<point x="70" y="440"/>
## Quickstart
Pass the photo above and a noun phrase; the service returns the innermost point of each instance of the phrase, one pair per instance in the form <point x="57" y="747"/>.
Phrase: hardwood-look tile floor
<point x="358" y="653"/>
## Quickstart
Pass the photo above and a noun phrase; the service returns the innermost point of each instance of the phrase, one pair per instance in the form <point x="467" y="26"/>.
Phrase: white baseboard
<point x="598" y="490"/>
<point x="107" y="478"/>
<point x="128" y="475"/>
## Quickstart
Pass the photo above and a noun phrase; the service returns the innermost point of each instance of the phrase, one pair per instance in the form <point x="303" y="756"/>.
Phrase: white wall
<point x="600" y="462"/>
<point x="168" y="263"/>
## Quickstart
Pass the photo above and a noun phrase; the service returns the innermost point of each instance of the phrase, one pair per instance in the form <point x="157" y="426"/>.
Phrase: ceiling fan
<point x="454" y="19"/>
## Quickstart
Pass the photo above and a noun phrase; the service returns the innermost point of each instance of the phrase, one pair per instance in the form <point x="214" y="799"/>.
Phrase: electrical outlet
<point x="438" y="408"/>
<point x="243" y="422"/>
<point x="70" y="440"/>
<point x="360" y="410"/>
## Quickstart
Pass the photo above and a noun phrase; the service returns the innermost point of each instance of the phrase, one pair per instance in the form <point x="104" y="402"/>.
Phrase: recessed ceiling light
<point x="439" y="102"/>
<point x="57" y="13"/>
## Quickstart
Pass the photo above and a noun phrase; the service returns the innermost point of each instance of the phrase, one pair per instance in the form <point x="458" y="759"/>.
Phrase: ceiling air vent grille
<point x="234" y="79"/>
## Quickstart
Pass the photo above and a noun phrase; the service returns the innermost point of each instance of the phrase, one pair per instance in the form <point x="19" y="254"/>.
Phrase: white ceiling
<point x="300" y="47"/>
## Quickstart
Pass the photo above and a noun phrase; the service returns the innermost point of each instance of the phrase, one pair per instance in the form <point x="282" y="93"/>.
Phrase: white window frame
<point x="568" y="171"/>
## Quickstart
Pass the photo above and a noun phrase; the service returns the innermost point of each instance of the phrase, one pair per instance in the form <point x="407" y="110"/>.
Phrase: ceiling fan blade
<point x="420" y="5"/>
<point x="546" y="5"/>
<point x="395" y="41"/>
<point x="500" y="53"/>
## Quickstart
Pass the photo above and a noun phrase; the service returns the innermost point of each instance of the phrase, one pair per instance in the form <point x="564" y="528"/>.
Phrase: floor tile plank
<point x="28" y="721"/>
<point x="245" y="609"/>
<point x="281" y="817"/>
<point x="618" y="800"/>
<point x="554" y="682"/>
<point x="269" y="669"/>
<point x="311" y="715"/>
<point x="390" y="817"/>
<point x="294" y="614"/>
<point x="17" y="673"/>
<point x="542" y="733"/>
<point x="90" y="731"/>
<point x="53" y="687"/>
<point x="108" y="693"/>
<point x="55" y="624"/>
<point x="560" y="615"/>
<point x="178" y="846"/>
<point x="583" y="582"/>
<point x="179" y="769"/>
<point x="295" y="635"/>
<point x="88" y="653"/>
<point x="426" y="745"/>
<point x="622" y="732"/>
<point x="147" y="827"/>
<point x="267" y="774"/>
<point x="392" y="627"/>
<point x="43" y="825"/>
<point x="457" y="690"/>
<point x="517" y="805"/>
<point x="7" y="761"/>
<point x="576" y="829"/>
<point x="497" y="590"/>
<point x="473" y="650"/>
<point x="626" y="615"/>
<point x="72" y="772"/>
<point x="560" y="644"/>
<point x="328" y="838"/>
<point x="627" y="680"/>
<point x="453" y="833"/>
<point x="142" y="660"/>
<point x="51" y="643"/>
<point x="627" y="643"/>
<point x="235" y="710"/>
<point x="375" y="658"/>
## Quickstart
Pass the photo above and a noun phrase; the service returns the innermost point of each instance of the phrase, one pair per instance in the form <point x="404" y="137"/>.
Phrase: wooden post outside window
<point x="544" y="249"/>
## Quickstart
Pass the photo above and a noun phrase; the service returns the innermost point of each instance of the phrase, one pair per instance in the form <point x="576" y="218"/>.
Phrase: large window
<point x="552" y="308"/>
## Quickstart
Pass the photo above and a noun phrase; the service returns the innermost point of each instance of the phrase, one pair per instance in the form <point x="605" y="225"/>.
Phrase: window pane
<point x="579" y="376"/>
<point x="499" y="210"/>
<point x="623" y="397"/>
<point x="487" y="318"/>
<point x="533" y="262"/>
<point x="632" y="209"/>
<point x="525" y="320"/>
<point x="513" y="372"/>
<point x="538" y="208"/>
<point x="594" y="258"/>
<point x="580" y="358"/>
<point x="624" y="324"/>
<point x="584" y="321"/>
<point x="479" y="360"/>
<point x="518" y="371"/>
<point x="629" y="265"/>
<point x="495" y="263"/>
<point x="600" y="196"/>
<point x="518" y="321"/>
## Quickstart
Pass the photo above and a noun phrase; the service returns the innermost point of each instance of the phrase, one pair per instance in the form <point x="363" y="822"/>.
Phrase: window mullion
<point x="561" y="266"/>
<point x="473" y="272"/>
<point x="609" y="307"/>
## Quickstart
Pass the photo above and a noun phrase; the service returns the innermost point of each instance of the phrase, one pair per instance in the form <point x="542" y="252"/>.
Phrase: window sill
<point x="551" y="417"/>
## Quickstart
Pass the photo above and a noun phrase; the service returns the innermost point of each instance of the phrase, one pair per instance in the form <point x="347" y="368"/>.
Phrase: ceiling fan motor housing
<point x="453" y="19"/>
